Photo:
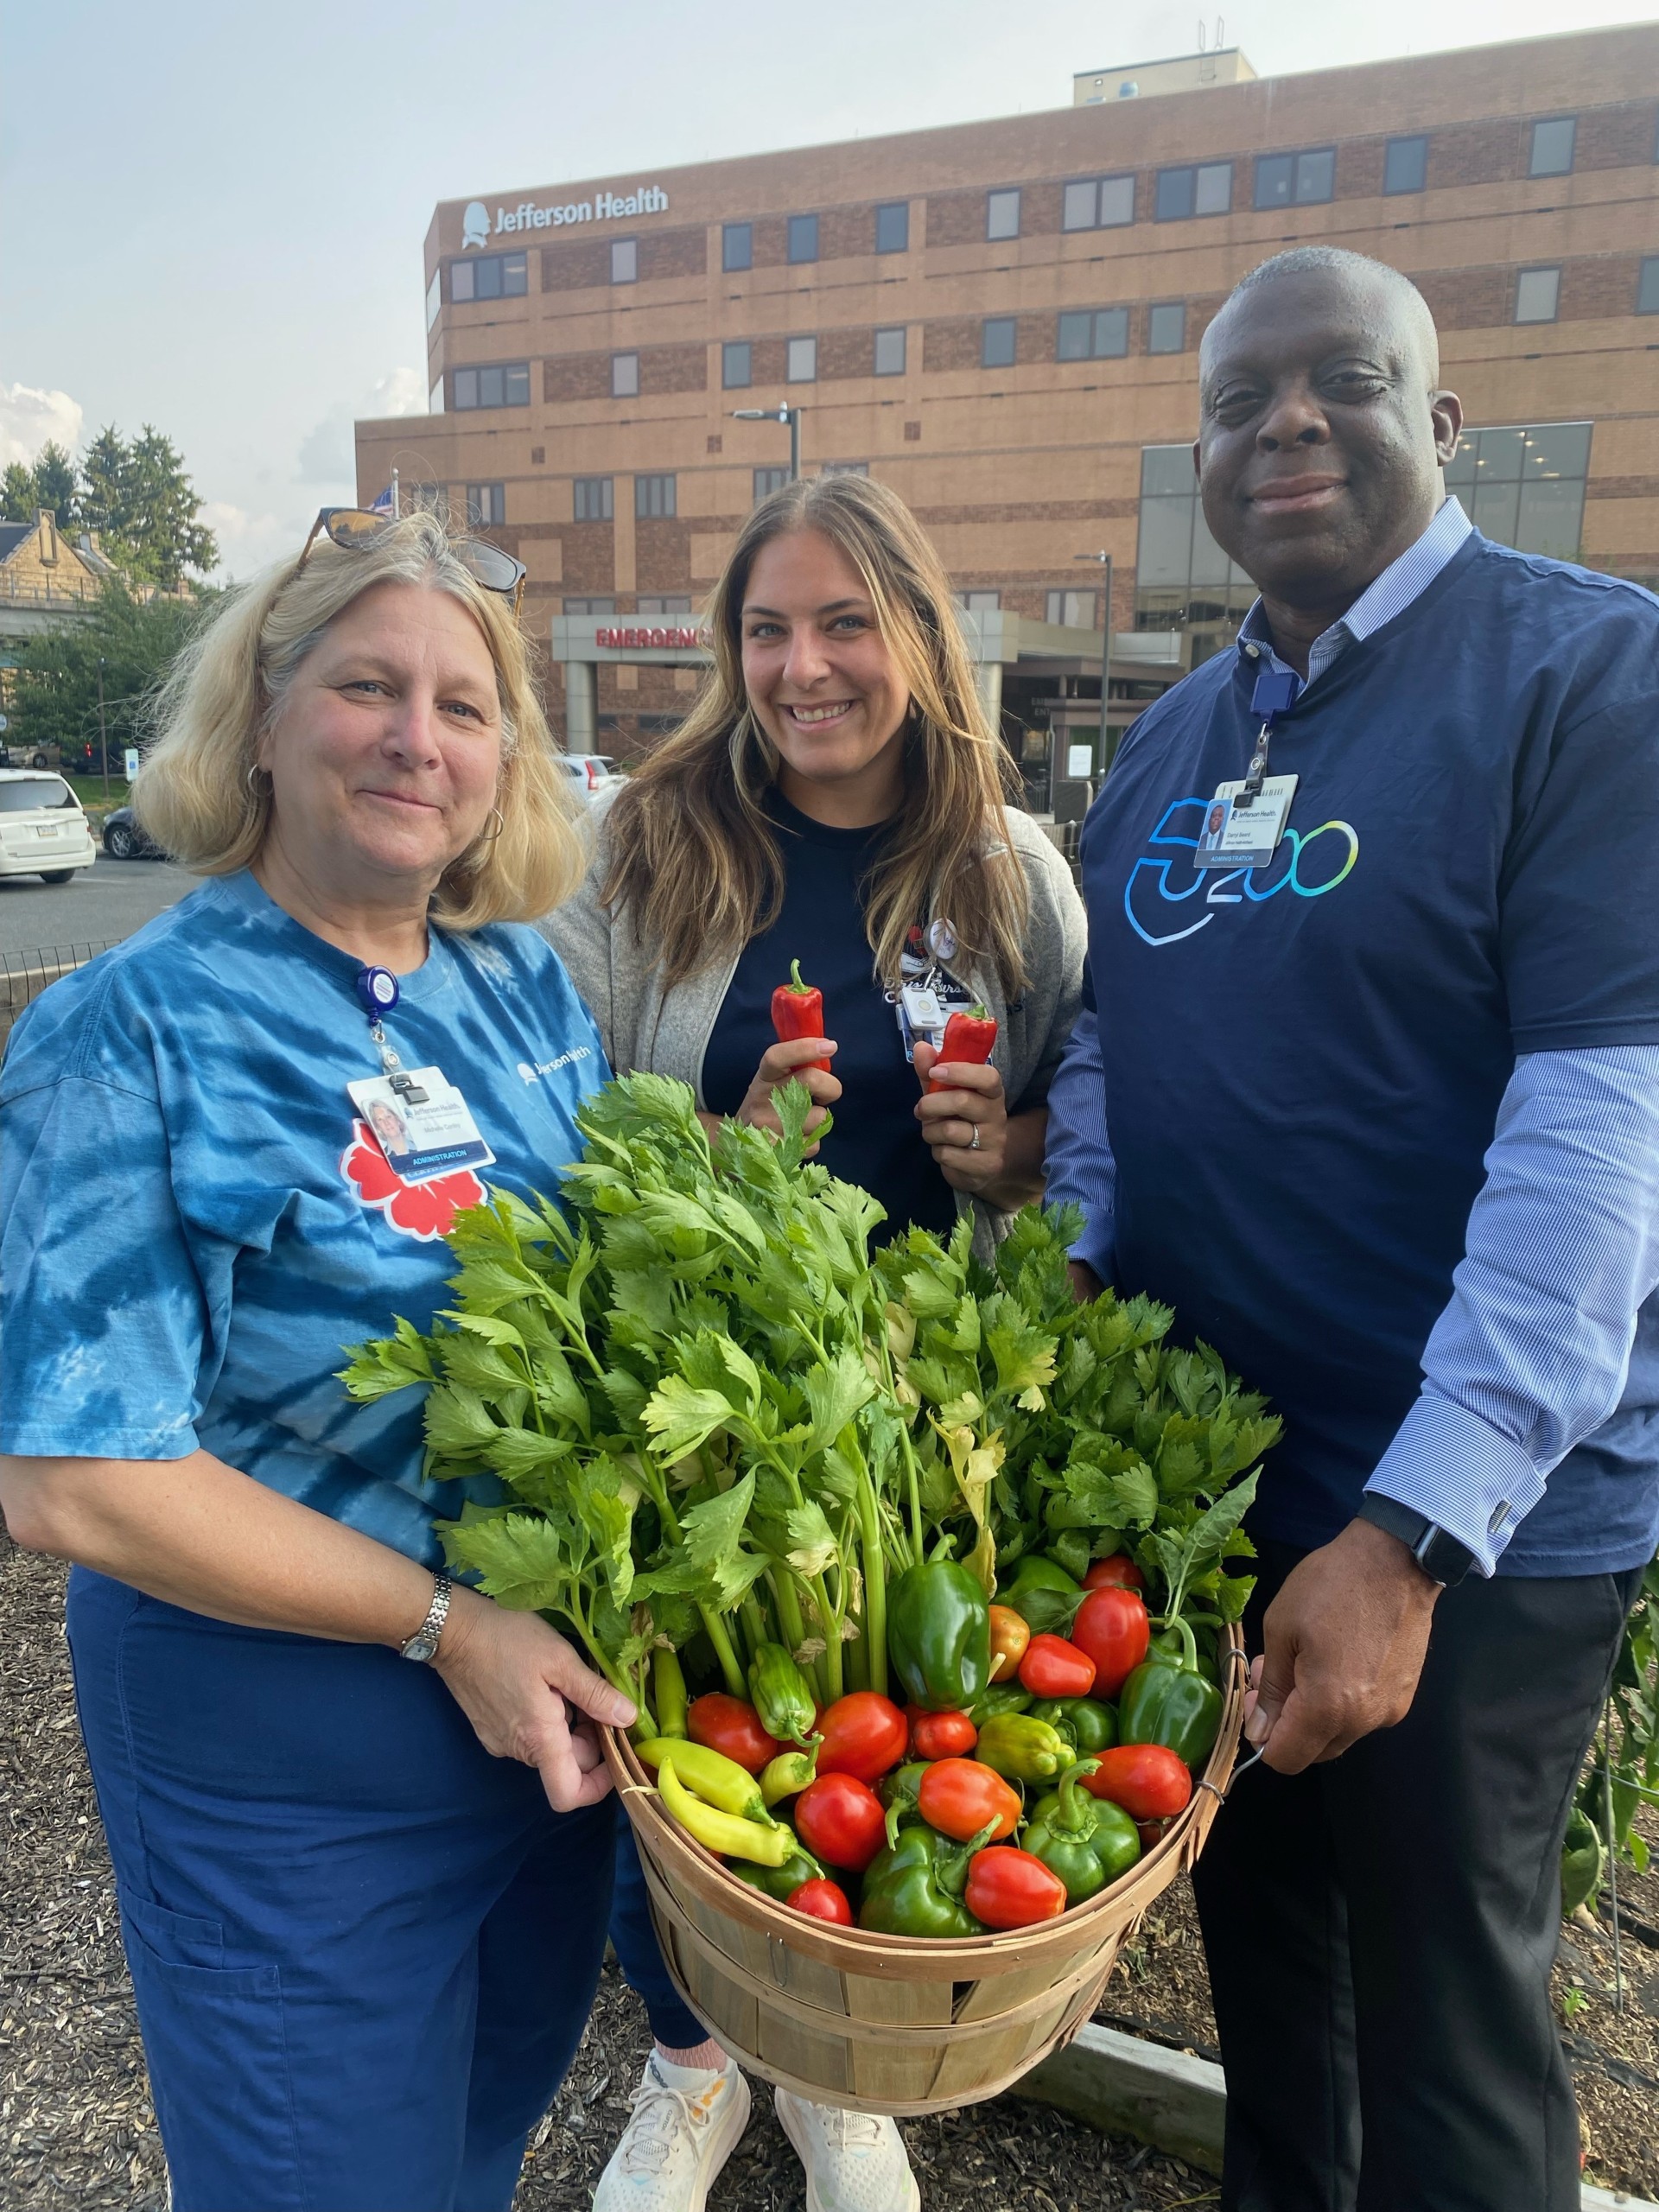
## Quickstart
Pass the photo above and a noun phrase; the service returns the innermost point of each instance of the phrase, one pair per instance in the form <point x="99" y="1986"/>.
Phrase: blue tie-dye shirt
<point x="195" y="1222"/>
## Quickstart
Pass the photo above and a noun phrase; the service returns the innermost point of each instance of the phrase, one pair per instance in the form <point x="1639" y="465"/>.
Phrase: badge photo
<point x="1239" y="833"/>
<point x="422" y="1136"/>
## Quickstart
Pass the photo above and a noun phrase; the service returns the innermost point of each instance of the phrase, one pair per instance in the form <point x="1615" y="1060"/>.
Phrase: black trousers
<point x="1380" y="1930"/>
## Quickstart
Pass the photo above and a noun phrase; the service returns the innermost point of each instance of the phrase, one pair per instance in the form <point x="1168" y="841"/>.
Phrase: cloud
<point x="249" y="542"/>
<point x="327" y="453"/>
<point x="30" y="417"/>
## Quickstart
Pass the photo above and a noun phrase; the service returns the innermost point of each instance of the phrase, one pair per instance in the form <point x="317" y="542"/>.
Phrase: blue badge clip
<point x="377" y="989"/>
<point x="1275" y="694"/>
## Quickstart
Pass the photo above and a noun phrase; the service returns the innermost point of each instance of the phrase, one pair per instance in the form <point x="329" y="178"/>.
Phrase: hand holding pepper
<point x="969" y="1101"/>
<point x="801" y="1060"/>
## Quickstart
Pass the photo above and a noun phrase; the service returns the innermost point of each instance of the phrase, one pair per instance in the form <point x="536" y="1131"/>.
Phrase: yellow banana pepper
<point x="724" y="1833"/>
<point x="709" y="1775"/>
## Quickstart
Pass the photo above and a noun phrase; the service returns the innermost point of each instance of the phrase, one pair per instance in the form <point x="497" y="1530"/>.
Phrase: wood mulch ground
<point x="77" y="2134"/>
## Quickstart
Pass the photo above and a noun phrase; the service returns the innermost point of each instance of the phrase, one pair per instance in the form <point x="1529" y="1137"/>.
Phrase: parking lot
<point x="102" y="903"/>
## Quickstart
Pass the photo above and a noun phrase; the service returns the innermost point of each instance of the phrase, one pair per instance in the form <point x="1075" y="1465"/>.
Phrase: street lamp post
<point x="1105" y="560"/>
<point x="102" y="740"/>
<point x="790" y="415"/>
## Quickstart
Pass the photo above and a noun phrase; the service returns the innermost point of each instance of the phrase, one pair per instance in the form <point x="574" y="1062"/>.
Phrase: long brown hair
<point x="693" y="853"/>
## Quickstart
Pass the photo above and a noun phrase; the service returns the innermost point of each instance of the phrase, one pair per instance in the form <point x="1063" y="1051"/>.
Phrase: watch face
<point x="420" y="1646"/>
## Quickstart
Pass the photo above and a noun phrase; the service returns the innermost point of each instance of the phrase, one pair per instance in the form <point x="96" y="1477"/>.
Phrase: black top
<point x="877" y="1140"/>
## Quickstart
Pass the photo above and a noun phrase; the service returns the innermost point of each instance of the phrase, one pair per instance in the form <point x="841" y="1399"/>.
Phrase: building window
<point x="1552" y="147"/>
<point x="504" y="383"/>
<point x="1646" y="287"/>
<point x="802" y="365"/>
<point x="434" y="297"/>
<point x="892" y="226"/>
<point x="1206" y="189"/>
<point x="979" y="602"/>
<point x="890" y="352"/>
<point x="768" y="481"/>
<point x="1075" y="610"/>
<point x="803" y="238"/>
<point x="486" y="505"/>
<point x="1537" y="294"/>
<point x="1182" y="577"/>
<point x="997" y="337"/>
<point x="736" y="364"/>
<point x="737" y="245"/>
<point x="662" y="605"/>
<point x="1102" y="334"/>
<point x="846" y="469"/>
<point x="491" y="276"/>
<point x="1166" y="328"/>
<point x="1524" y="487"/>
<point x="593" y="499"/>
<point x="654" y="498"/>
<point x="590" y="605"/>
<point x="434" y="398"/>
<point x="1295" y="179"/>
<point x="1405" y="165"/>
<point x="625" y="261"/>
<point x="1002" y="214"/>
<point x="1097" y="203"/>
<point x="625" y="375"/>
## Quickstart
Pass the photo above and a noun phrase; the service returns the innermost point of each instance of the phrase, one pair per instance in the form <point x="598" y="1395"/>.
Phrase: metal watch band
<point x="424" y="1642"/>
<point x="1442" y="1557"/>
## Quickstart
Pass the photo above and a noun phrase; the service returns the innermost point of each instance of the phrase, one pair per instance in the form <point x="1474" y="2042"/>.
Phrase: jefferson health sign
<point x="604" y="207"/>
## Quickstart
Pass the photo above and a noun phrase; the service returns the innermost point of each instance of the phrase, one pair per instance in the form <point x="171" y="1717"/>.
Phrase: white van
<point x="42" y="830"/>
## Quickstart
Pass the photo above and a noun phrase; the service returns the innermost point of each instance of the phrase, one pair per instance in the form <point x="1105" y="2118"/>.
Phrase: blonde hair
<point x="196" y="794"/>
<point x="695" y="853"/>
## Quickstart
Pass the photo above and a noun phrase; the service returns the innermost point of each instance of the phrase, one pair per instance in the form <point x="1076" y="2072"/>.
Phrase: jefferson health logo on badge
<point x="1167" y="897"/>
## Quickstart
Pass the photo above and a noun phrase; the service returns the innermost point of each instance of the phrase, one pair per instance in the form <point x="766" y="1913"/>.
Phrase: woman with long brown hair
<point x="833" y="806"/>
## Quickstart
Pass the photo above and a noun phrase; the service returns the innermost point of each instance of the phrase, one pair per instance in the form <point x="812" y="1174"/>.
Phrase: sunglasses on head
<point x="355" y="528"/>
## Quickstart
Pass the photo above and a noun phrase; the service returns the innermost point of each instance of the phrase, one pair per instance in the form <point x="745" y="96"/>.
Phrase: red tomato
<point x="821" y="1900"/>
<point x="1054" y="1668"/>
<point x="1112" y="1627"/>
<point x="1149" y="1781"/>
<point x="730" y="1725"/>
<point x="939" y="1735"/>
<point x="1118" y="1573"/>
<point x="961" y="1796"/>
<point x="840" y="1819"/>
<point x="1010" y="1888"/>
<point x="864" y="1735"/>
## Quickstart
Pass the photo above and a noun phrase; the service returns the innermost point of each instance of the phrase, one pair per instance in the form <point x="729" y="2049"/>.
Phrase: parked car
<point x="591" y="772"/>
<point x="42" y="830"/>
<point x="124" y="841"/>
<point x="25" y="756"/>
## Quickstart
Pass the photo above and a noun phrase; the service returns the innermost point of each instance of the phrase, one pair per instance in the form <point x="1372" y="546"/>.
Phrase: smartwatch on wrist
<point x="424" y="1642"/>
<point x="1442" y="1557"/>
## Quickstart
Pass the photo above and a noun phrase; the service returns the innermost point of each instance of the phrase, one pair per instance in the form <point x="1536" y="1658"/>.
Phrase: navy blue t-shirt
<point x="877" y="1140"/>
<point x="1304" y="1063"/>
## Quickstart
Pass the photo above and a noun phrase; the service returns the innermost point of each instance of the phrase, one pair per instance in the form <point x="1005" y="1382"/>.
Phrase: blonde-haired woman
<point x="364" y="1900"/>
<point x="835" y="798"/>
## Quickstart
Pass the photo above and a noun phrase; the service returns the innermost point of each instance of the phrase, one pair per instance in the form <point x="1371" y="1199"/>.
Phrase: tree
<point x="140" y="500"/>
<point x="135" y="641"/>
<point x="51" y="483"/>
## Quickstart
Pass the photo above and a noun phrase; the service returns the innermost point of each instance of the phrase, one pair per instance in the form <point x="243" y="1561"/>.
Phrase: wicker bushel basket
<point x="893" y="2024"/>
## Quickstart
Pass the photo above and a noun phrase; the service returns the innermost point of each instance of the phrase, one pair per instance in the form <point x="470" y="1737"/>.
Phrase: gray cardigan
<point x="667" y="1032"/>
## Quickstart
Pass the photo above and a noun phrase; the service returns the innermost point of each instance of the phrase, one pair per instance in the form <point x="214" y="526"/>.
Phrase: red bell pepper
<point x="1008" y="1888"/>
<point x="1054" y="1668"/>
<point x="841" y="1821"/>
<point x="1112" y="1627"/>
<point x="1118" y="1573"/>
<point x="731" y="1725"/>
<point x="961" y="1796"/>
<point x="939" y="1735"/>
<point x="797" y="1011"/>
<point x="821" y="1900"/>
<point x="968" y="1037"/>
<point x="864" y="1734"/>
<point x="1147" y="1780"/>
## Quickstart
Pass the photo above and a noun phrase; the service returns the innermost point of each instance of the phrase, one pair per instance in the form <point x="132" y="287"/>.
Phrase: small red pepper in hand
<point x="797" y="1011"/>
<point x="968" y="1037"/>
<point x="821" y="1900"/>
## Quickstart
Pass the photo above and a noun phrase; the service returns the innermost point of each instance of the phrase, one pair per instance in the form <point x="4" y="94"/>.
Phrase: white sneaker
<point x="854" y="2161"/>
<point x="676" y="2143"/>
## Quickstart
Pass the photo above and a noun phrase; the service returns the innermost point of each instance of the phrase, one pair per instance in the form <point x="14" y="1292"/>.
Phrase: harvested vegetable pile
<point x="736" y="1448"/>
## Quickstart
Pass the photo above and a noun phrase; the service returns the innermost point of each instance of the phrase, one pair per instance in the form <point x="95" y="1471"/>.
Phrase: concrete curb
<point x="1175" y="2102"/>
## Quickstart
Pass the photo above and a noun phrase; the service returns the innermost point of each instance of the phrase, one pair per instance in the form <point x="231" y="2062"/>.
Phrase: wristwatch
<point x="1442" y="1557"/>
<point x="424" y="1642"/>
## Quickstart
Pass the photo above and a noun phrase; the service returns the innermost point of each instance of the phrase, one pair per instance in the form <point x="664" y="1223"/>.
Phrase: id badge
<point x="922" y="1008"/>
<point x="421" y="1141"/>
<point x="1244" y="836"/>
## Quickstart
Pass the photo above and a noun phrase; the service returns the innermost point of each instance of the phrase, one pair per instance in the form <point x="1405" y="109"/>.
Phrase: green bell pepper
<point x="783" y="1696"/>
<point x="1168" y="1641"/>
<point x="1167" y="1700"/>
<point x="1582" y="1857"/>
<point x="1085" y="1840"/>
<point x="939" y="1634"/>
<point x="1084" y="1721"/>
<point x="998" y="1697"/>
<point x="898" y="1792"/>
<point x="779" y="1882"/>
<point x="1021" y="1748"/>
<point x="1043" y="1594"/>
<point x="914" y="1887"/>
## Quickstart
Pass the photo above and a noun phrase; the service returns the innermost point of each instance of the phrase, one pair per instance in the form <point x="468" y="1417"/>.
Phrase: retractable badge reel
<point x="1245" y="821"/>
<point x="377" y="989"/>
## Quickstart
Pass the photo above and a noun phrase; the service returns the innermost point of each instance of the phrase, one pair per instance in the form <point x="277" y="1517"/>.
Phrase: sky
<point x="212" y="217"/>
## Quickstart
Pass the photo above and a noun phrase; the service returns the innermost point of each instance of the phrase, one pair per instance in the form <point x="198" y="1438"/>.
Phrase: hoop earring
<point x="255" y="769"/>
<point x="500" y="824"/>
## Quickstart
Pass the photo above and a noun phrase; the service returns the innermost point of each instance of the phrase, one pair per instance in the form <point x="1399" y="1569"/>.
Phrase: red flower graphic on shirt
<point x="423" y="1210"/>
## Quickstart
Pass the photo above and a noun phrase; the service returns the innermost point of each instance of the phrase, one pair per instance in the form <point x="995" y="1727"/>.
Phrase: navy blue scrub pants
<point x="364" y="1950"/>
<point x="672" y="2021"/>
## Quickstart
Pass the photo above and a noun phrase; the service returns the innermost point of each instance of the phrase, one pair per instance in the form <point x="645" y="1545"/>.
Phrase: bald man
<point x="1366" y="1088"/>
